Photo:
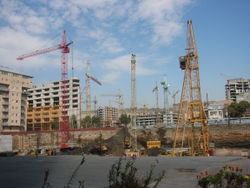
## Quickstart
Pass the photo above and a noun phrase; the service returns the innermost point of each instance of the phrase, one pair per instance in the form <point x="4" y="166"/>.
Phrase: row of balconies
<point x="54" y="88"/>
<point x="49" y="97"/>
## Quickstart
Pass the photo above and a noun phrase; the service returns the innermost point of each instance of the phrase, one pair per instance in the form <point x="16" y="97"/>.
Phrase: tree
<point x="54" y="125"/>
<point x="86" y="122"/>
<point x="96" y="121"/>
<point x="238" y="109"/>
<point x="73" y="122"/>
<point x="125" y="119"/>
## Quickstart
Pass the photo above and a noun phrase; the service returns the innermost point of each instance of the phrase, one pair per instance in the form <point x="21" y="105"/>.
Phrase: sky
<point x="107" y="32"/>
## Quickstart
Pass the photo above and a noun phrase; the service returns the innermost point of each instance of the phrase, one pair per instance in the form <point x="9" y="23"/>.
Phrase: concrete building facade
<point x="234" y="87"/>
<point x="243" y="97"/>
<point x="45" y="104"/>
<point x="149" y="119"/>
<point x="108" y="115"/>
<point x="13" y="100"/>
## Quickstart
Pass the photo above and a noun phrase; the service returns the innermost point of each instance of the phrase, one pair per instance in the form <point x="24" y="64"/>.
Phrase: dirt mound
<point x="116" y="142"/>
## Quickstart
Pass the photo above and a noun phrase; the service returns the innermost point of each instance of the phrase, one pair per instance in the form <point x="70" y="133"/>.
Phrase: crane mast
<point x="64" y="47"/>
<point x="191" y="112"/>
<point x="133" y="98"/>
<point x="156" y="89"/>
<point x="88" y="78"/>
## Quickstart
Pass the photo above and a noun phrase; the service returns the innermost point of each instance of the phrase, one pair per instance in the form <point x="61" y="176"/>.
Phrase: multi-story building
<point x="149" y="119"/>
<point x="243" y="97"/>
<point x="13" y="100"/>
<point x="45" y="104"/>
<point x="108" y="115"/>
<point x="236" y="86"/>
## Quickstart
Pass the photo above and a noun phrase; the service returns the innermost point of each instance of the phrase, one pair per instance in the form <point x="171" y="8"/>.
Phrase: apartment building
<point x="45" y="104"/>
<point x="108" y="115"/>
<point x="13" y="100"/>
<point x="236" y="86"/>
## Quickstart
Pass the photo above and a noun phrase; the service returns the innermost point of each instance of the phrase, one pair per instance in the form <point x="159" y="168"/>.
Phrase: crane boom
<point x="64" y="48"/>
<point x="95" y="80"/>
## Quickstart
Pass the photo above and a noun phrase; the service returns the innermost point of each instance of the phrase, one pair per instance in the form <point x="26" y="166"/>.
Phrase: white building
<point x="45" y="103"/>
<point x="217" y="110"/>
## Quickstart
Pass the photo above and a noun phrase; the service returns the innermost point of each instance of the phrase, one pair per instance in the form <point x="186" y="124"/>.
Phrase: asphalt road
<point x="29" y="171"/>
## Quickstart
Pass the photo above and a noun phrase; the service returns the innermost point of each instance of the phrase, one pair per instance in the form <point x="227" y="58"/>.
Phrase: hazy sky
<point x="106" y="32"/>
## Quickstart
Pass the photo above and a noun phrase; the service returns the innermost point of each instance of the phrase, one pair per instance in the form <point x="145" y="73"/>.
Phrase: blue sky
<point x="106" y="32"/>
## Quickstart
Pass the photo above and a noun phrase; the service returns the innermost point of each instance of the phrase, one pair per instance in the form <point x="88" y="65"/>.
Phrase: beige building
<point x="108" y="115"/>
<point x="13" y="100"/>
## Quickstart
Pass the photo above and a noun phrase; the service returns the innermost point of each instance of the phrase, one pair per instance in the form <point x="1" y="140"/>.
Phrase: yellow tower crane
<point x="191" y="134"/>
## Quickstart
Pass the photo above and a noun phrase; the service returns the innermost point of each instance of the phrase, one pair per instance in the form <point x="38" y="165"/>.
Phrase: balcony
<point x="5" y="110"/>
<point x="4" y="89"/>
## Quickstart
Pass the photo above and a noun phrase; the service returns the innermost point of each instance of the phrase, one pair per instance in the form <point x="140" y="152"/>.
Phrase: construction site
<point x="55" y="122"/>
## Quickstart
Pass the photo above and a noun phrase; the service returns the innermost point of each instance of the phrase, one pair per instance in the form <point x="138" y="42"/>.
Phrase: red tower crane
<point x="64" y="47"/>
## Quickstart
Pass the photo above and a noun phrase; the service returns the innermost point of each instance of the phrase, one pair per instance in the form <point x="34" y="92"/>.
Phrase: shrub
<point x="229" y="176"/>
<point x="126" y="176"/>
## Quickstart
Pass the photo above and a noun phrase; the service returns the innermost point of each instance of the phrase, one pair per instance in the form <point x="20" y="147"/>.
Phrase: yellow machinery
<point x="153" y="144"/>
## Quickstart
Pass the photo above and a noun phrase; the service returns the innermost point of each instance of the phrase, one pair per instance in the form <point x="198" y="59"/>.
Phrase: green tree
<point x="96" y="121"/>
<point x="125" y="119"/>
<point x="73" y="122"/>
<point x="54" y="125"/>
<point x="238" y="109"/>
<point x="86" y="122"/>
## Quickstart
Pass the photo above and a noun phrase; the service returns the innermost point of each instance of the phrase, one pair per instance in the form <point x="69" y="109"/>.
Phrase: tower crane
<point x="88" y="78"/>
<point x="64" y="47"/>
<point x="165" y="86"/>
<point x="191" y="111"/>
<point x="156" y="89"/>
<point x="174" y="96"/>
<point x="119" y="98"/>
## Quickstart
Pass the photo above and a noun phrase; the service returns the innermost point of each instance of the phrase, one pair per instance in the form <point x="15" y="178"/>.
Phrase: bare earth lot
<point x="28" y="172"/>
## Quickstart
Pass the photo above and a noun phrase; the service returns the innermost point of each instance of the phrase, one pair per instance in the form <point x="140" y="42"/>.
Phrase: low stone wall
<point x="222" y="135"/>
<point x="52" y="139"/>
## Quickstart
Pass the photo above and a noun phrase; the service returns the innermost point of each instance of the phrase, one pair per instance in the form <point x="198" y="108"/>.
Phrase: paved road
<point x="28" y="172"/>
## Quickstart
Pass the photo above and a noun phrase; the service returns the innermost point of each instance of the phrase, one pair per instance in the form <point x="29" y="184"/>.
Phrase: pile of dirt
<point x="115" y="144"/>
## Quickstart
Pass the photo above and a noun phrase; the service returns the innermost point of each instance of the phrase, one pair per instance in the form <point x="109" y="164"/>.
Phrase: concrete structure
<point x="235" y="87"/>
<point x="150" y="119"/>
<point x="45" y="103"/>
<point x="108" y="115"/>
<point x="13" y="100"/>
<point x="243" y="97"/>
<point x="170" y="118"/>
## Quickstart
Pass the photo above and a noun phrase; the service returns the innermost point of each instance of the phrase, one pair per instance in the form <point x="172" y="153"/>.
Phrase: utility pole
<point x="133" y="98"/>
<point x="191" y="111"/>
